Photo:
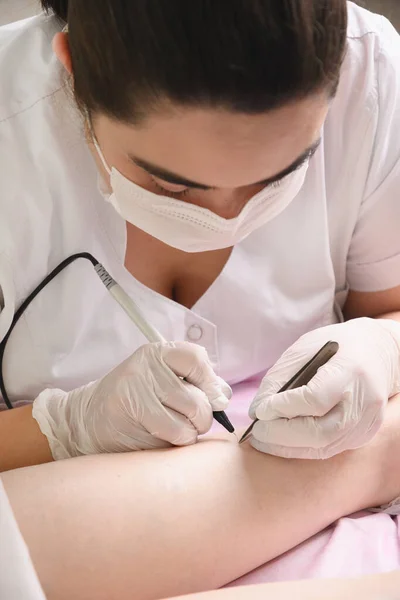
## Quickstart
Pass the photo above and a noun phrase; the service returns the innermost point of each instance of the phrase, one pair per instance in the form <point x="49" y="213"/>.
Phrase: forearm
<point x="21" y="441"/>
<point x="163" y="523"/>
<point x="377" y="587"/>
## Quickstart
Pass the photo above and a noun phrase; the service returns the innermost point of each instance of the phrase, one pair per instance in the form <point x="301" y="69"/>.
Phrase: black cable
<point x="219" y="416"/>
<point x="18" y="314"/>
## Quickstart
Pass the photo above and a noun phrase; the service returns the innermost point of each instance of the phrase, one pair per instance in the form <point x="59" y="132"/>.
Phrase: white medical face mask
<point x="191" y="228"/>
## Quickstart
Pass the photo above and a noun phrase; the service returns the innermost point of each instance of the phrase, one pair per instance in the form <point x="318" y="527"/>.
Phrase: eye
<point x="171" y="190"/>
<point x="169" y="187"/>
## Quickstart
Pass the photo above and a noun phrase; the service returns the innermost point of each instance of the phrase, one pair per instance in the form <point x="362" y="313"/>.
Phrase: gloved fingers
<point x="289" y="453"/>
<point x="338" y="429"/>
<point x="290" y="363"/>
<point x="225" y="388"/>
<point x="192" y="403"/>
<point x="134" y="437"/>
<point x="283" y="370"/>
<point x="168" y="425"/>
<point x="315" y="399"/>
<point x="359" y="437"/>
<point x="298" y="355"/>
<point x="303" y="432"/>
<point x="269" y="388"/>
<point x="191" y="362"/>
<point x="297" y="453"/>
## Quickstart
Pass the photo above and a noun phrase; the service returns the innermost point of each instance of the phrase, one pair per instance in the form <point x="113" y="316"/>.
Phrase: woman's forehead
<point x="219" y="148"/>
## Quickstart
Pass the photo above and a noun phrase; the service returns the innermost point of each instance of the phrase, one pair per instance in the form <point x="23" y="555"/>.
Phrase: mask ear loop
<point x="96" y="143"/>
<point x="90" y="127"/>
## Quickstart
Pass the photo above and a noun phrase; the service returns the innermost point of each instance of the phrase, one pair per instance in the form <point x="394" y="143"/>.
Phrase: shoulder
<point x="369" y="91"/>
<point x="27" y="71"/>
<point x="373" y="46"/>
<point x="48" y="178"/>
<point x="364" y="24"/>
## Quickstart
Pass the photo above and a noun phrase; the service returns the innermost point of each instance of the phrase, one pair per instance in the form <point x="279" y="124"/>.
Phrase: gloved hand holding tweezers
<point x="342" y="406"/>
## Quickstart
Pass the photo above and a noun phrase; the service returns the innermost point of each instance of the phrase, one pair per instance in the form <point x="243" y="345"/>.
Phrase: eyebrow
<point x="175" y="179"/>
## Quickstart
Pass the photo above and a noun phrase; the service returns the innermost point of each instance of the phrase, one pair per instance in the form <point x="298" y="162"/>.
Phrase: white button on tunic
<point x="195" y="333"/>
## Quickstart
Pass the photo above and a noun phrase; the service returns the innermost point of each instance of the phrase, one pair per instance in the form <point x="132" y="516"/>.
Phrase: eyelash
<point x="180" y="195"/>
<point x="176" y="195"/>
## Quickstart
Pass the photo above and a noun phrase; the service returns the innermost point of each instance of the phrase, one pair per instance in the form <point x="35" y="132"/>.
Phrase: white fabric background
<point x="13" y="10"/>
<point x="18" y="580"/>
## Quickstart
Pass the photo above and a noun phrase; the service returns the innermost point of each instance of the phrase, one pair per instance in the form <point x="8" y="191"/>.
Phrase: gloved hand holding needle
<point x="143" y="403"/>
<point x="343" y="406"/>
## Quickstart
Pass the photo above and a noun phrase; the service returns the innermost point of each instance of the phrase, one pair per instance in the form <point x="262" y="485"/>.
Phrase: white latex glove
<point x="142" y="404"/>
<point x="342" y="407"/>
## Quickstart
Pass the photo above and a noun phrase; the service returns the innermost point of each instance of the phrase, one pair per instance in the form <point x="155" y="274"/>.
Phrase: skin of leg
<point x="155" y="524"/>
<point x="377" y="587"/>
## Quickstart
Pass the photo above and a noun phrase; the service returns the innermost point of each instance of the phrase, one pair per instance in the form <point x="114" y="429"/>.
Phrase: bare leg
<point x="378" y="587"/>
<point x="163" y="523"/>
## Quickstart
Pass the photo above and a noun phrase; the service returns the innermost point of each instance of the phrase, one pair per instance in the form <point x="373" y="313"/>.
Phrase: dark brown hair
<point x="247" y="56"/>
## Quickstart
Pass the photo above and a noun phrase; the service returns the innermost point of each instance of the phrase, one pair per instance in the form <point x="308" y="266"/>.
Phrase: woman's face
<point x="212" y="158"/>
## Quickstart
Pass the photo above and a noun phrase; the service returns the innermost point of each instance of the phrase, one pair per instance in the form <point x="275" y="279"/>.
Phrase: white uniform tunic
<point x="18" y="580"/>
<point x="342" y="231"/>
